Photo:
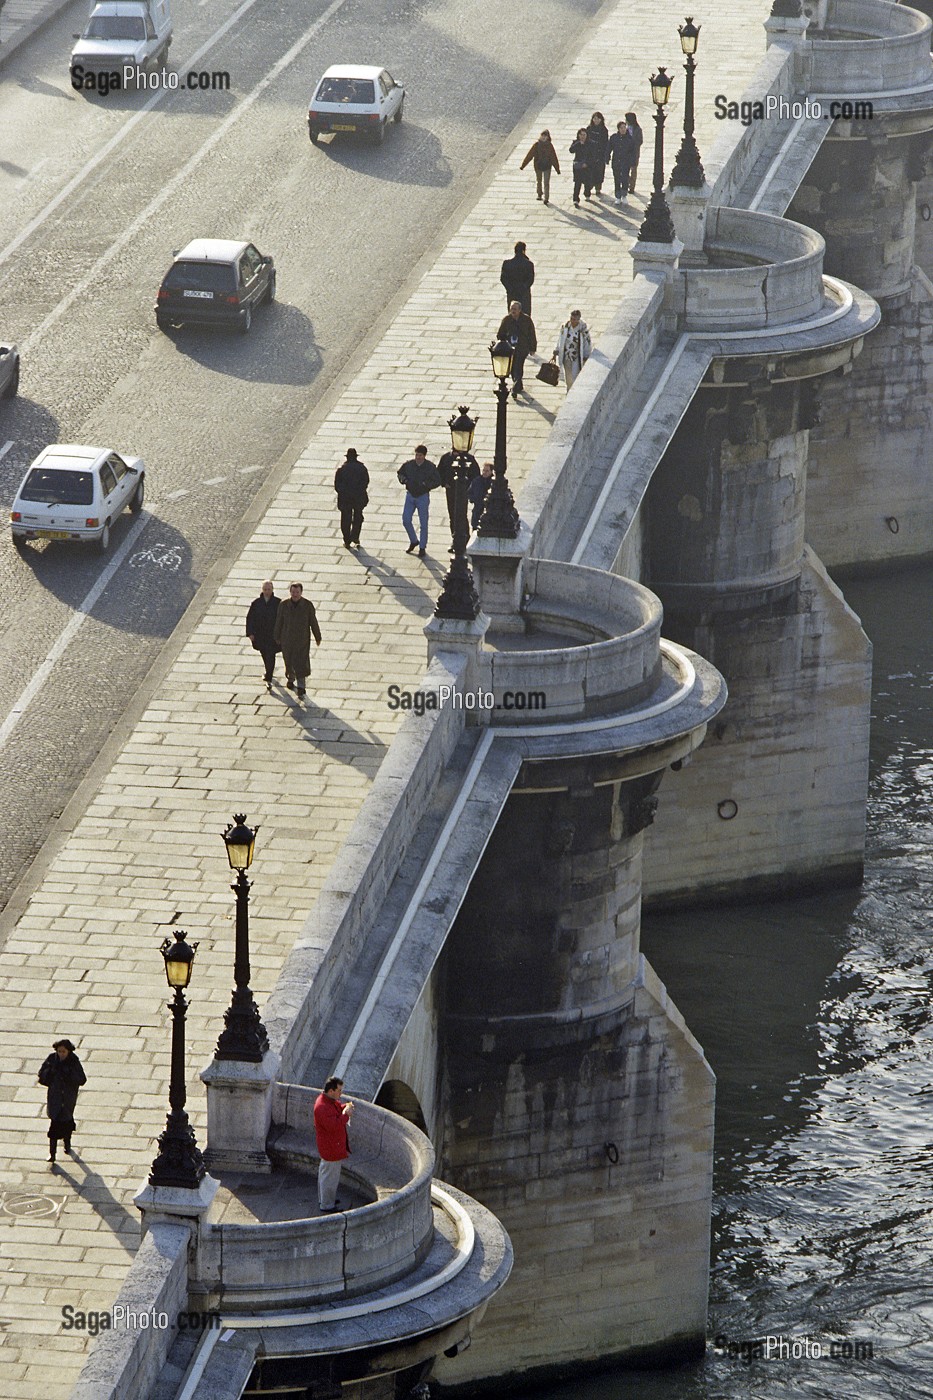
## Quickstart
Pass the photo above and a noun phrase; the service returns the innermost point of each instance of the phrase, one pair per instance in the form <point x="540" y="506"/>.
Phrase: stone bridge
<point x="756" y="412"/>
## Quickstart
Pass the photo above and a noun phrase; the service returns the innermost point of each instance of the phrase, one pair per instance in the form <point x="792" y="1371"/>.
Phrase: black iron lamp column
<point x="499" y="520"/>
<point x="244" y="1036"/>
<point x="459" y="598"/>
<point x="688" y="168"/>
<point x="178" y="1162"/>
<point x="658" y="226"/>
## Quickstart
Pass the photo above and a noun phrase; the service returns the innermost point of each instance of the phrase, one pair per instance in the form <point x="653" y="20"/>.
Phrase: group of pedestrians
<point x="593" y="150"/>
<point x="517" y="329"/>
<point x="286" y="625"/>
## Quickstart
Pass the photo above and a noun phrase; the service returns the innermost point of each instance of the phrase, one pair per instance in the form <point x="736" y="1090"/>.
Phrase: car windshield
<point x="54" y="486"/>
<point x="116" y="27"/>
<point x="202" y="276"/>
<point x="356" y="90"/>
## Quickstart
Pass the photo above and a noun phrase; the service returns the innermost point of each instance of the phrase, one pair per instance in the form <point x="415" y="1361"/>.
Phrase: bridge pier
<point x="868" y="501"/>
<point x="578" y="1105"/>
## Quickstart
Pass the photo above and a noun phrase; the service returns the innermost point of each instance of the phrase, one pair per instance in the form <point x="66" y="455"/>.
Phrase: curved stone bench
<point x="869" y="47"/>
<point x="292" y="1262"/>
<point x="775" y="276"/>
<point x="612" y="659"/>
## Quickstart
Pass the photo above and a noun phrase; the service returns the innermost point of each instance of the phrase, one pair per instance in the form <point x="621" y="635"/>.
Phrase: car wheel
<point x="138" y="496"/>
<point x="246" y="320"/>
<point x="270" y="294"/>
<point x="401" y="108"/>
<point x="10" y="390"/>
<point x="103" y="544"/>
<point x="315" y="135"/>
<point x="380" y="135"/>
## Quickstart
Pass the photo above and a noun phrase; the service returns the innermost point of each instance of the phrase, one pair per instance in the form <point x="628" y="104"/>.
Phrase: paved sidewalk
<point x="83" y="959"/>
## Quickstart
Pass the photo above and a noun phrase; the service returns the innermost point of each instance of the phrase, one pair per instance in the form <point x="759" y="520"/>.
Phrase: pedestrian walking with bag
<point x="597" y="142"/>
<point x="260" y="627"/>
<point x="544" y="156"/>
<point x="331" y="1119"/>
<point x="350" y="482"/>
<point x="622" y="153"/>
<point x="517" y="277"/>
<point x="420" y="477"/>
<point x="62" y="1075"/>
<point x="582" y="170"/>
<point x="295" y="622"/>
<point x="638" y="137"/>
<point x="574" y="347"/>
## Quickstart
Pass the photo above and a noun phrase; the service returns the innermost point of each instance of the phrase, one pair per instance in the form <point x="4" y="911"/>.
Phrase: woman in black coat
<point x="582" y="169"/>
<point x="63" y="1075"/>
<point x="597" y="149"/>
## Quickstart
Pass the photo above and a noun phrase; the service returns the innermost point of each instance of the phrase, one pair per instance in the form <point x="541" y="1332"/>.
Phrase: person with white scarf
<point x="573" y="347"/>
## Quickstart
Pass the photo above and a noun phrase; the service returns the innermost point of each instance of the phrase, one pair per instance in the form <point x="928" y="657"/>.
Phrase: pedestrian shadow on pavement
<point x="409" y="593"/>
<point x="411" y="155"/>
<point x="323" y="728"/>
<point x="589" y="221"/>
<point x="529" y="401"/>
<point x="94" y="1190"/>
<point x="280" y="348"/>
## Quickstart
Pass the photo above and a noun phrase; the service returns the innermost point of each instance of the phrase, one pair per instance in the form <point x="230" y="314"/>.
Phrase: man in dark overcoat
<point x="519" y="330"/>
<point x="62" y="1074"/>
<point x="350" y="482"/>
<point x="260" y="627"/>
<point x="517" y="276"/>
<point x="295" y="621"/>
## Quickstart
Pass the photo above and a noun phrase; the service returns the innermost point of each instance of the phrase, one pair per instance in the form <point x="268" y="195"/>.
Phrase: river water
<point x="817" y="1017"/>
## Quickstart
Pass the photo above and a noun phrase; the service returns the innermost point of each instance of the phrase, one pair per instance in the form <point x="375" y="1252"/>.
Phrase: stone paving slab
<point x="146" y="854"/>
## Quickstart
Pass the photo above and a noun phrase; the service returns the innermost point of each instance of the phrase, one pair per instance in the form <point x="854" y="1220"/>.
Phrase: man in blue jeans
<point x="419" y="477"/>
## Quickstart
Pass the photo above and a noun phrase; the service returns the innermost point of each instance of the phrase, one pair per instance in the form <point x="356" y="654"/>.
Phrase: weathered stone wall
<point x="775" y="797"/>
<point x="869" y="501"/>
<point x="578" y="1106"/>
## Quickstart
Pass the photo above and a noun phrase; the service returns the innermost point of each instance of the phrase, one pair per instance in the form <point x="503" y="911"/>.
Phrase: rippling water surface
<point x="817" y="1016"/>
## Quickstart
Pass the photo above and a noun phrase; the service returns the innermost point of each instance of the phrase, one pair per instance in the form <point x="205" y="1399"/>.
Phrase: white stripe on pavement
<point x="69" y="632"/>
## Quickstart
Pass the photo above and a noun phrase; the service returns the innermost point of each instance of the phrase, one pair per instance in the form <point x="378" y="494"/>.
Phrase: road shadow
<point x="92" y="1188"/>
<point x="150" y="590"/>
<point x="401" y="587"/>
<point x="31" y="427"/>
<point x="279" y="349"/>
<point x="411" y="155"/>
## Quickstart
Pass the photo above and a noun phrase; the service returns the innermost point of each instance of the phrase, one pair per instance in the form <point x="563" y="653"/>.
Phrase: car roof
<point x="221" y="250"/>
<point x="78" y="458"/>
<point x="351" y="70"/>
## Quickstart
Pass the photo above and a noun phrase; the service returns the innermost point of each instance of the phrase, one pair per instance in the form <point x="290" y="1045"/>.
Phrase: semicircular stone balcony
<point x="265" y="1247"/>
<point x="868" y="47"/>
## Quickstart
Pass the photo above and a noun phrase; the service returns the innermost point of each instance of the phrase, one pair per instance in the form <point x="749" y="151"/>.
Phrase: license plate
<point x="205" y="296"/>
<point x="52" y="534"/>
<point x="337" y="126"/>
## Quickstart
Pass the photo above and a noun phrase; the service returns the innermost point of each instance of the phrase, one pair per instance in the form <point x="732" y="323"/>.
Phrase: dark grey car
<point x="215" y="281"/>
<point x="9" y="371"/>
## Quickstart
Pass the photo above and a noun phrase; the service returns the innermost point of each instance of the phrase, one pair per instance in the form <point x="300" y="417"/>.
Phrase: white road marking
<point x="115" y="140"/>
<point x="177" y="495"/>
<point x="5" y="448"/>
<point x="177" y="181"/>
<point x="244" y="471"/>
<point x="214" y="480"/>
<point x="69" y="632"/>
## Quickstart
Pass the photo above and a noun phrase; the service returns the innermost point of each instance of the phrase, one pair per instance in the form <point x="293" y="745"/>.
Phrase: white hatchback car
<point x="76" y="493"/>
<point x="358" y="99"/>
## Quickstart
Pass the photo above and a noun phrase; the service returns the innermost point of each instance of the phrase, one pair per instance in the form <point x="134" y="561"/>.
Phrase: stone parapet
<point x="879" y="48"/>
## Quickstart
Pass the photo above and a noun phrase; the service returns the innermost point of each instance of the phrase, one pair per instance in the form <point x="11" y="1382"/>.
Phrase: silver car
<point x="357" y="99"/>
<point x="9" y="371"/>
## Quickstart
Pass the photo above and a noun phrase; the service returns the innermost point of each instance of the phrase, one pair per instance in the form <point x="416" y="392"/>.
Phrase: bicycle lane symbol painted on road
<point x="165" y="556"/>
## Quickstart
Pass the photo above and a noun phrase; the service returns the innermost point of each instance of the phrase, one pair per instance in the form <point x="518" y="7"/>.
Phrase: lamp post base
<point x="239" y="1113"/>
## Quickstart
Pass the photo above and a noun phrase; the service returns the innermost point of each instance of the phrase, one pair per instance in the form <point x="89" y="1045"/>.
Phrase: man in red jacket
<point x="331" y="1117"/>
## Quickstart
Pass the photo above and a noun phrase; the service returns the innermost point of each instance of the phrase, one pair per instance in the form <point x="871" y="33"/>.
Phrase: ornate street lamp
<point x="688" y="168"/>
<point x="787" y="9"/>
<point x="178" y="1162"/>
<point x="244" y="1036"/>
<point x="658" y="226"/>
<point x="459" y="598"/>
<point x="499" y="520"/>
